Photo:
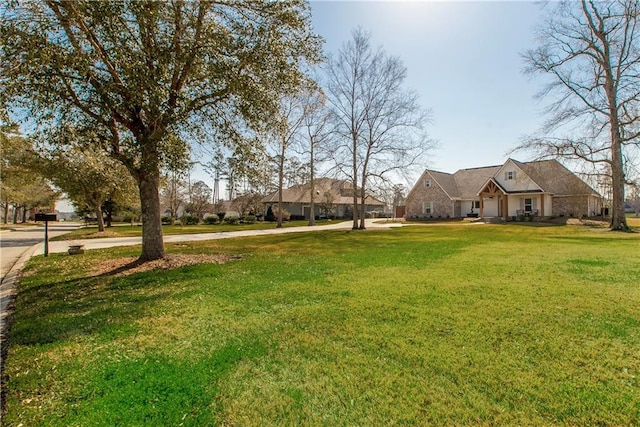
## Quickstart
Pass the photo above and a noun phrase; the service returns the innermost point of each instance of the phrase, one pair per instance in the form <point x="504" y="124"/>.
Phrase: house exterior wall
<point x="548" y="205"/>
<point x="516" y="203"/>
<point x="443" y="206"/>
<point x="573" y="206"/>
<point x="457" y="209"/>
<point x="595" y="205"/>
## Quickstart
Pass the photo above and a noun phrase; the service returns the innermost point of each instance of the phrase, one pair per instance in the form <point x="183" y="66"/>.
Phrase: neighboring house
<point x="333" y="198"/>
<point x="632" y="206"/>
<point x="541" y="189"/>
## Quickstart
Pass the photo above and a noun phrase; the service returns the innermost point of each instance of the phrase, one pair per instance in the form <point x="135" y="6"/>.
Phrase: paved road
<point x="15" y="243"/>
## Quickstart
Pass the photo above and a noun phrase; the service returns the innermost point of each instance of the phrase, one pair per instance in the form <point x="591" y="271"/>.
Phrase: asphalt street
<point x="14" y="243"/>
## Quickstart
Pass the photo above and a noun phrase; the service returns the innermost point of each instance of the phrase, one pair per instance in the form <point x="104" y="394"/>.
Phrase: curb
<point x="8" y="294"/>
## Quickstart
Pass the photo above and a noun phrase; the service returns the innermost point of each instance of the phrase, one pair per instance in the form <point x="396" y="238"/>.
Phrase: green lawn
<point x="448" y="325"/>
<point x="127" y="230"/>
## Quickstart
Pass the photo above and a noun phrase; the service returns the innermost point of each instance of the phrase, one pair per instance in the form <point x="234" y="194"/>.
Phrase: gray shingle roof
<point x="469" y="181"/>
<point x="550" y="175"/>
<point x="341" y="190"/>
<point x="554" y="178"/>
<point x="446" y="181"/>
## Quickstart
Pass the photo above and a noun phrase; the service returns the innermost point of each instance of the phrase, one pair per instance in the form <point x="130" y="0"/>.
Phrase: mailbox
<point x="46" y="217"/>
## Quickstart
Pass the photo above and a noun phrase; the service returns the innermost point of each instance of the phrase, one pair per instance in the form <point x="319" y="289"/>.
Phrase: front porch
<point x="494" y="202"/>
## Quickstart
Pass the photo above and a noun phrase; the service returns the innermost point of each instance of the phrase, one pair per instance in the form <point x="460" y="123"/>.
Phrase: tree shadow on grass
<point x="104" y="304"/>
<point x="122" y="269"/>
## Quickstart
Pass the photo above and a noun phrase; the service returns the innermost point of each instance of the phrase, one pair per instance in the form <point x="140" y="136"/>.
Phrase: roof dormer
<point x="513" y="179"/>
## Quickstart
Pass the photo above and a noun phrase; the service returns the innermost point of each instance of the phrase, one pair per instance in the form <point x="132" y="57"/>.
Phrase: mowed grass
<point x="423" y="325"/>
<point x="127" y="230"/>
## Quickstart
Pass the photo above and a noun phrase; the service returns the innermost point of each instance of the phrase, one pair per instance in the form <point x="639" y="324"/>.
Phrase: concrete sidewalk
<point x="89" y="244"/>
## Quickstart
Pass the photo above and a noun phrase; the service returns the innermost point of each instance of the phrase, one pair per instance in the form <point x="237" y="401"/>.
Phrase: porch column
<point x="481" y="205"/>
<point x="505" y="206"/>
<point x="542" y="205"/>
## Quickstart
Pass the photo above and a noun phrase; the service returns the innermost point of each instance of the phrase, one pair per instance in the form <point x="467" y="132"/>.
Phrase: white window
<point x="528" y="204"/>
<point x="427" y="183"/>
<point x="427" y="208"/>
<point x="476" y="204"/>
<point x="510" y="175"/>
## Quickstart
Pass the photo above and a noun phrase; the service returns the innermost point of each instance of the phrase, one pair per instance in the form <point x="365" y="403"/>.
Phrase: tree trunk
<point x="24" y="214"/>
<point x="152" y="243"/>
<point x="280" y="184"/>
<point x="98" y="211"/>
<point x="15" y="214"/>
<point x="6" y="213"/>
<point x="355" y="184"/>
<point x="109" y="213"/>
<point x="363" y="192"/>
<point x="618" y="217"/>
<point x="312" y="207"/>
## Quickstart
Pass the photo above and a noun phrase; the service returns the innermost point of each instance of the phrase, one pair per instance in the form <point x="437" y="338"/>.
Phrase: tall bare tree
<point x="283" y="132"/>
<point x="379" y="125"/>
<point x="138" y="71"/>
<point x="315" y="134"/>
<point x="176" y="165"/>
<point x="591" y="53"/>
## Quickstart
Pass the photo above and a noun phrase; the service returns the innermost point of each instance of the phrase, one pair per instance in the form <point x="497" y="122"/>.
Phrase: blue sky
<point x="463" y="58"/>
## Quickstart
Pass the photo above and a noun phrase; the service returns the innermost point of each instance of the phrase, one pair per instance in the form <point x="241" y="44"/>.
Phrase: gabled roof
<point x="550" y="175"/>
<point x="470" y="181"/>
<point x="341" y="190"/>
<point x="464" y="183"/>
<point x="554" y="178"/>
<point x="491" y="182"/>
<point x="446" y="181"/>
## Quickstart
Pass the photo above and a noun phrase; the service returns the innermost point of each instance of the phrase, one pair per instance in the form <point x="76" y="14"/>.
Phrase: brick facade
<point x="443" y="206"/>
<point x="572" y="206"/>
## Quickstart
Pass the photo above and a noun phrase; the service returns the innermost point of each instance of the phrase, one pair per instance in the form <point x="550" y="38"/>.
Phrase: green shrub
<point x="231" y="220"/>
<point x="270" y="216"/>
<point x="189" y="220"/>
<point x="210" y="220"/>
<point x="166" y="220"/>
<point x="250" y="219"/>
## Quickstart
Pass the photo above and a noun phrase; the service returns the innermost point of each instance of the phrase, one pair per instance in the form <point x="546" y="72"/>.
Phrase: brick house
<point x="332" y="195"/>
<point x="541" y="189"/>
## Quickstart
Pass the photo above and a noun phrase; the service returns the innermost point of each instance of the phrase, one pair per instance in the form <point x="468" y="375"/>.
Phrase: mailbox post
<point x="46" y="218"/>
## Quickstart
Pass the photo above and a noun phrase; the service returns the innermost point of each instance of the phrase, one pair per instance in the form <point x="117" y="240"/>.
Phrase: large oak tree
<point x="591" y="53"/>
<point x="135" y="72"/>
